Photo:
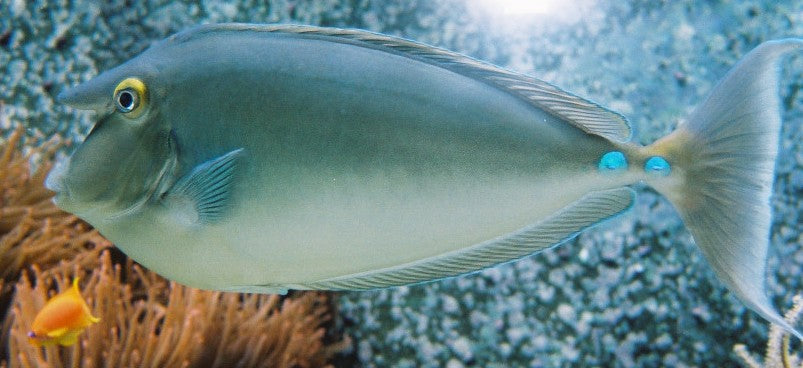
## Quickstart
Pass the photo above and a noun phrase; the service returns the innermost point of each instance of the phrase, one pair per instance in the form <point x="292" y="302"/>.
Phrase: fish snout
<point x="35" y="339"/>
<point x="55" y="179"/>
<point x="57" y="182"/>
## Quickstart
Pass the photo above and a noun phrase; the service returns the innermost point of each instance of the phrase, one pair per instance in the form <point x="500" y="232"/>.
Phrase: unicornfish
<point x="261" y="158"/>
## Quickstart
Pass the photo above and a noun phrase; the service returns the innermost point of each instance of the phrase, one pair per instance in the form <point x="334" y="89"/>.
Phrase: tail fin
<point x="723" y="169"/>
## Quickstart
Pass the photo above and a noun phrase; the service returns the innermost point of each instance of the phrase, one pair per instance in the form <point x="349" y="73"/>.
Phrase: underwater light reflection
<point x="568" y="11"/>
<point x="524" y="7"/>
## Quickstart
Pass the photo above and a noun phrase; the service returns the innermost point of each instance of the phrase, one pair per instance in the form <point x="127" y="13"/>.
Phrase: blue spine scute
<point x="613" y="161"/>
<point x="658" y="166"/>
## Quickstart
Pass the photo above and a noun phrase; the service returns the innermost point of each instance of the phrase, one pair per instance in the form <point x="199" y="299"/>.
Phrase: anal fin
<point x="257" y="289"/>
<point x="563" y="225"/>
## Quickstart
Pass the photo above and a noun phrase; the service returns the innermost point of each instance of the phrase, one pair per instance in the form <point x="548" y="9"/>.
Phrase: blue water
<point x="635" y="292"/>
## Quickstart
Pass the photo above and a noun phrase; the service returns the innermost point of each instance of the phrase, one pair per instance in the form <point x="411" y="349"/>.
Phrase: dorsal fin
<point x="583" y="114"/>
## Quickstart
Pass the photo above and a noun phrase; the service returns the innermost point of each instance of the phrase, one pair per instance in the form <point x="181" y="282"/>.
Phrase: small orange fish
<point x="62" y="319"/>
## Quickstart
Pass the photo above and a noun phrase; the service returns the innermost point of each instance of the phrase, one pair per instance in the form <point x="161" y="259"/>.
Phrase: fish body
<point x="62" y="319"/>
<point x="260" y="158"/>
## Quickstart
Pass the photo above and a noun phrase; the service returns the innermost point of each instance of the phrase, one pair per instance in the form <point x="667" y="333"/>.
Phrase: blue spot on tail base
<point x="612" y="162"/>
<point x="657" y="165"/>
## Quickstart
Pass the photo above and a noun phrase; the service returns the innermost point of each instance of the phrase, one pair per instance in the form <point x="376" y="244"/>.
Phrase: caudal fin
<point x="723" y="163"/>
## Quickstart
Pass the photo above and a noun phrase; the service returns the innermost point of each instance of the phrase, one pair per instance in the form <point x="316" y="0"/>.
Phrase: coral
<point x="146" y="321"/>
<point x="777" y="354"/>
<point x="32" y="229"/>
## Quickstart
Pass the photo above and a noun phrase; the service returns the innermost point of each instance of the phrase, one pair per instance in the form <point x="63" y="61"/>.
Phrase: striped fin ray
<point x="206" y="188"/>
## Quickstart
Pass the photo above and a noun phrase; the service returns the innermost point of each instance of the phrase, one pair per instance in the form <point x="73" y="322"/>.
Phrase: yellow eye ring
<point x="131" y="97"/>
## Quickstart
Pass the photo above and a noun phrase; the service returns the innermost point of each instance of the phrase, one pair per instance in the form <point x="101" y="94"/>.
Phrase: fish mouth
<point x="55" y="179"/>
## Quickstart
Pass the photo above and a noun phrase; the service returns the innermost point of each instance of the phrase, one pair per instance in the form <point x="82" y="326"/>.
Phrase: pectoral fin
<point x="589" y="210"/>
<point x="202" y="196"/>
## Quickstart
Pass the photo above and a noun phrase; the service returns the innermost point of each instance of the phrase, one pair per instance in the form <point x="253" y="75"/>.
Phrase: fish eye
<point x="126" y="100"/>
<point x="130" y="97"/>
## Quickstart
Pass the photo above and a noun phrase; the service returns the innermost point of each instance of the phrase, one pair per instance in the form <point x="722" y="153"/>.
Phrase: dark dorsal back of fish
<point x="581" y="113"/>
